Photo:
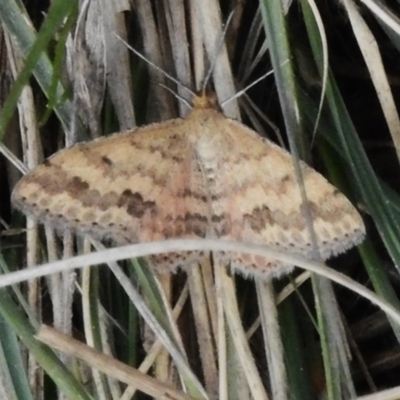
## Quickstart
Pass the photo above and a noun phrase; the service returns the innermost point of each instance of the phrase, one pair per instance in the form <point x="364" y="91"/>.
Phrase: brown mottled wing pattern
<point x="256" y="199"/>
<point x="138" y="186"/>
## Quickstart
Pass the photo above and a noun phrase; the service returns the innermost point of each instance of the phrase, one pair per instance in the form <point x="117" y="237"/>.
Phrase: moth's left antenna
<point x="156" y="67"/>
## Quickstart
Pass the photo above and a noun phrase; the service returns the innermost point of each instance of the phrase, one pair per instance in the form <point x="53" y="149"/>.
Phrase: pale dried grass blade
<point x="373" y="60"/>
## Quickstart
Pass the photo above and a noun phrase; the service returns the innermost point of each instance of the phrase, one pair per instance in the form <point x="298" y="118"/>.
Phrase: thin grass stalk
<point x="242" y="348"/>
<point x="204" y="332"/>
<point x="272" y="340"/>
<point x="111" y="367"/>
<point x="89" y="325"/>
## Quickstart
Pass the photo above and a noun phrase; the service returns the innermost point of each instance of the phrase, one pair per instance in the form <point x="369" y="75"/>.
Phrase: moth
<point x="204" y="176"/>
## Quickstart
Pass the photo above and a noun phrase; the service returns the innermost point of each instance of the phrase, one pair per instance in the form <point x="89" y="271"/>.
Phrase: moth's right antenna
<point x="243" y="91"/>
<point x="215" y="56"/>
<point x="156" y="67"/>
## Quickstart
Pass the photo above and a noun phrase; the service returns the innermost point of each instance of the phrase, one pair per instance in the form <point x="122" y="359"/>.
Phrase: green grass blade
<point x="12" y="364"/>
<point x="33" y="47"/>
<point x="46" y="358"/>
<point x="297" y="367"/>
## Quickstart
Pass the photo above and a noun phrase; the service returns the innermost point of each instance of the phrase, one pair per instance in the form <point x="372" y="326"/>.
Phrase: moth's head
<point x="206" y="100"/>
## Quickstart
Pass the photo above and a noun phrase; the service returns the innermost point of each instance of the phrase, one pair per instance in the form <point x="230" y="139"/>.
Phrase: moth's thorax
<point x="209" y="137"/>
<point x="208" y="131"/>
<point x="206" y="118"/>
